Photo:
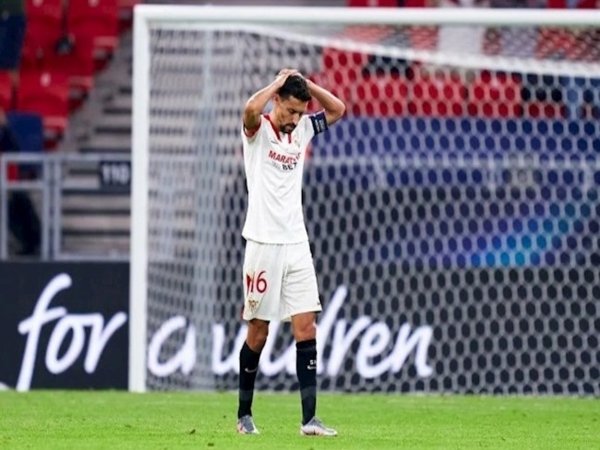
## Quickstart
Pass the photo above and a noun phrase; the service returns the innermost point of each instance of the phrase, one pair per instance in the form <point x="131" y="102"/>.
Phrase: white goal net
<point x="453" y="212"/>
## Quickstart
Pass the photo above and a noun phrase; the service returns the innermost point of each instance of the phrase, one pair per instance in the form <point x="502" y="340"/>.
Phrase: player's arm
<point x="257" y="102"/>
<point x="333" y="106"/>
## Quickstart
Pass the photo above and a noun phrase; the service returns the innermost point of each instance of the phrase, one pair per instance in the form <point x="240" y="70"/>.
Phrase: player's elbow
<point x="342" y="109"/>
<point x="252" y="108"/>
<point x="251" y="115"/>
<point x="338" y="111"/>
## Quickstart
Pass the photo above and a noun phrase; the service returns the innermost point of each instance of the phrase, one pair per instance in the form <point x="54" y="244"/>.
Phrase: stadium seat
<point x="6" y="94"/>
<point x="485" y="91"/>
<point x="50" y="11"/>
<point x="44" y="29"/>
<point x="541" y="98"/>
<point x="47" y="94"/>
<point x="436" y="95"/>
<point x="77" y="66"/>
<point x="545" y="110"/>
<point x="381" y="96"/>
<point x="423" y="37"/>
<point x="340" y="70"/>
<point x="126" y="13"/>
<point x="98" y="20"/>
<point x="28" y="129"/>
<point x="553" y="43"/>
<point x="346" y="65"/>
<point x="47" y="27"/>
<point x="369" y="86"/>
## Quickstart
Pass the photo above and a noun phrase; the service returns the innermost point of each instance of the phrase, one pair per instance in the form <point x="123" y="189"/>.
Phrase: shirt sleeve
<point x="250" y="135"/>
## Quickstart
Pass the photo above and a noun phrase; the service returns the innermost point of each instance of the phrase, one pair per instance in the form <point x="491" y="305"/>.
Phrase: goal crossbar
<point x="278" y="15"/>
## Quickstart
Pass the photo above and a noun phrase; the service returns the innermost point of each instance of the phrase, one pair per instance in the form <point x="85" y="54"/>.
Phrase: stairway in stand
<point x="95" y="217"/>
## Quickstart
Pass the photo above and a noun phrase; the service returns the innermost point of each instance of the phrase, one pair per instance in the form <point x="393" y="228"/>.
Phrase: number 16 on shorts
<point x="256" y="286"/>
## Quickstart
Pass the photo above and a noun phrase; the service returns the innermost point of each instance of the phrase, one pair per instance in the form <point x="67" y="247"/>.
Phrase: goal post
<point x="453" y="213"/>
<point x="139" y="204"/>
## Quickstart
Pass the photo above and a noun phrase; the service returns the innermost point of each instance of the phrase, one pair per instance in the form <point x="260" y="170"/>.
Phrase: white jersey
<point x="274" y="163"/>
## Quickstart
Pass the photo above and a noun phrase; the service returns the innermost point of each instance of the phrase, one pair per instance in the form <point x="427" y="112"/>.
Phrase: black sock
<point x="306" y="368"/>
<point x="248" y="369"/>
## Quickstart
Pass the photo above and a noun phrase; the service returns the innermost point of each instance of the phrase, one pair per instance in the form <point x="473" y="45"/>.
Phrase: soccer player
<point x="279" y="275"/>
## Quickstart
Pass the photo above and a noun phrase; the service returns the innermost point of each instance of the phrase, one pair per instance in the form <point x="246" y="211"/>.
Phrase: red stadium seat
<point x="440" y="94"/>
<point x="127" y="4"/>
<point x="556" y="43"/>
<point x="384" y="95"/>
<point x="6" y="93"/>
<point x="126" y="13"/>
<point x="368" y="95"/>
<point x="495" y="95"/>
<point x="78" y="67"/>
<point x="12" y="172"/>
<point x="47" y="94"/>
<point x="49" y="9"/>
<point x="344" y="72"/>
<point x="343" y="67"/>
<point x="44" y="28"/>
<point x="423" y="37"/>
<point x="347" y="65"/>
<point x="545" y="110"/>
<point x="98" y="20"/>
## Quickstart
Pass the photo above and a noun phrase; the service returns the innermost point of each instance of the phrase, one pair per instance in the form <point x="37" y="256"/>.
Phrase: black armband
<point x="319" y="122"/>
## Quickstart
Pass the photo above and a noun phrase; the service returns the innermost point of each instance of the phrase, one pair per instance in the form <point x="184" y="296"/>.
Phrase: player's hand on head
<point x="284" y="73"/>
<point x="287" y="72"/>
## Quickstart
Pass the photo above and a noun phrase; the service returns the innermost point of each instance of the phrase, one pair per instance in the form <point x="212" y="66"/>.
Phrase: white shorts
<point x="279" y="281"/>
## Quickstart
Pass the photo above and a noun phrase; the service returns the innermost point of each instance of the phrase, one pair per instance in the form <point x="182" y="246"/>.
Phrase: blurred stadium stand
<point x="75" y="79"/>
<point x="74" y="98"/>
<point x="69" y="48"/>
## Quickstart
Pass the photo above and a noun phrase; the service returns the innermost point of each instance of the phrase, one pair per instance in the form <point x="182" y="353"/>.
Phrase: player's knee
<point x="256" y="343"/>
<point x="257" y="334"/>
<point x="305" y="331"/>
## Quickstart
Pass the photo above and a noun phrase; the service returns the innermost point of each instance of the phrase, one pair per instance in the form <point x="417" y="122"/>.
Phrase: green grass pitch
<point x="120" y="420"/>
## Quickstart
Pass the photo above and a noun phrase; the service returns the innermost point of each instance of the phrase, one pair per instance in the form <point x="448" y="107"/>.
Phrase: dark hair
<point x="295" y="86"/>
